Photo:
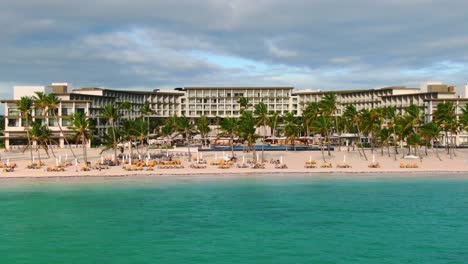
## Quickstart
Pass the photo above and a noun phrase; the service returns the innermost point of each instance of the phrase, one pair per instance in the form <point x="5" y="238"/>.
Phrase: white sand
<point x="294" y="160"/>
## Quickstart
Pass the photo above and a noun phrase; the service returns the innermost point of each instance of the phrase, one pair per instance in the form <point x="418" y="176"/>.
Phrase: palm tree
<point x="247" y="131"/>
<point x="146" y="111"/>
<point x="291" y="128"/>
<point x="53" y="103"/>
<point x="229" y="128"/>
<point x="203" y="127"/>
<point x="310" y="114"/>
<point x="185" y="127"/>
<point x="431" y="132"/>
<point x="244" y="104"/>
<point x="25" y="105"/>
<point x="111" y="114"/>
<point x="82" y="129"/>
<point x="464" y="117"/>
<point x="445" y="117"/>
<point x="41" y="103"/>
<point x="329" y="105"/>
<point x="140" y="131"/>
<point x="391" y="117"/>
<point x="261" y="113"/>
<point x="109" y="142"/>
<point x="273" y="122"/>
<point x="40" y="134"/>
<point x="322" y="126"/>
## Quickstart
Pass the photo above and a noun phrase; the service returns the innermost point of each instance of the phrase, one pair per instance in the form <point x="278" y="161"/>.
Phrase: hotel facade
<point x="213" y="102"/>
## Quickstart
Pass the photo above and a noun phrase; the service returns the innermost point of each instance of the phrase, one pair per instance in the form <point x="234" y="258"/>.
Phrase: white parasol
<point x="281" y="159"/>
<point x="344" y="158"/>
<point x="373" y="158"/>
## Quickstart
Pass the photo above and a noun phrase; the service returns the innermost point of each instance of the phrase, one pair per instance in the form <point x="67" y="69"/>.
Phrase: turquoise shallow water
<point x="259" y="220"/>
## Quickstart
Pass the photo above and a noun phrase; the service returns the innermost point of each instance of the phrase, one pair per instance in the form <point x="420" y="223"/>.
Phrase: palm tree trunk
<point x="231" y="143"/>
<point x="328" y="144"/>
<point x="436" y="151"/>
<point x="254" y="152"/>
<point x="63" y="134"/>
<point x="322" y="150"/>
<point x="30" y="145"/>
<point x="188" y="145"/>
<point x="85" y="154"/>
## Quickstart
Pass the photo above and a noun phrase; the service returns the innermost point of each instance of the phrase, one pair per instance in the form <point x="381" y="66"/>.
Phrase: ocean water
<point x="243" y="220"/>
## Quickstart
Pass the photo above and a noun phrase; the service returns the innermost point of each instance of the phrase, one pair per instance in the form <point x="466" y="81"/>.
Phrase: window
<point x="13" y="122"/>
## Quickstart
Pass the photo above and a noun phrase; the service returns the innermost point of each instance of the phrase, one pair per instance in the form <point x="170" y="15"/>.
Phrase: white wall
<point x="462" y="91"/>
<point x="20" y="91"/>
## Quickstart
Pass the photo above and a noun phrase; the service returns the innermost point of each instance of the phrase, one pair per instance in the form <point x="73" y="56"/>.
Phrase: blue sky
<point x="308" y="44"/>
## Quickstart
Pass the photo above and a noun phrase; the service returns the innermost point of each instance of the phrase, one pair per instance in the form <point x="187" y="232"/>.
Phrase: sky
<point x="308" y="44"/>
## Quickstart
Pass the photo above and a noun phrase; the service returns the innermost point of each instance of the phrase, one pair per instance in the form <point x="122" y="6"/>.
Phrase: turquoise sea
<point x="280" y="219"/>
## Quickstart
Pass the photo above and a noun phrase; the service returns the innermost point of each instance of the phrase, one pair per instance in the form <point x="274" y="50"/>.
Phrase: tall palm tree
<point x="310" y="114"/>
<point x="186" y="128"/>
<point x="391" y="118"/>
<point x="431" y="132"/>
<point x="322" y="126"/>
<point x="203" y="127"/>
<point x="244" y="104"/>
<point x="229" y="128"/>
<point x="291" y="128"/>
<point x="139" y="131"/>
<point x="329" y="105"/>
<point x="146" y="111"/>
<point x="109" y="142"/>
<point x="273" y="122"/>
<point x="25" y="105"/>
<point x="40" y="134"/>
<point x="82" y="129"/>
<point x="261" y="113"/>
<point x="53" y="103"/>
<point x="445" y="117"/>
<point x="247" y="131"/>
<point x="41" y="103"/>
<point x="111" y="114"/>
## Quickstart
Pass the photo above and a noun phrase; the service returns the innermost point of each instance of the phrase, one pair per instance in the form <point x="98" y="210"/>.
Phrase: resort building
<point x="224" y="101"/>
<point x="214" y="102"/>
<point x="58" y="121"/>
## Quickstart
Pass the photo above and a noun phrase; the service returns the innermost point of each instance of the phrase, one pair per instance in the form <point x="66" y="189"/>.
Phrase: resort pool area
<point x="349" y="219"/>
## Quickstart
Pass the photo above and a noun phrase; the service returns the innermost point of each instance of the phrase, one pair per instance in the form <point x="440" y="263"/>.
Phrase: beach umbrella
<point x="8" y="162"/>
<point x="60" y="159"/>
<point x="281" y="159"/>
<point x="373" y="158"/>
<point x="344" y="158"/>
<point x="148" y="156"/>
<point x="411" y="157"/>
<point x="113" y="157"/>
<point x="257" y="156"/>
<point x="123" y="160"/>
<point x="310" y="158"/>
<point x="102" y="160"/>
<point x="66" y="157"/>
<point x="243" y="159"/>
<point x="56" y="162"/>
<point x="139" y="157"/>
<point x="76" y="162"/>
<point x="33" y="159"/>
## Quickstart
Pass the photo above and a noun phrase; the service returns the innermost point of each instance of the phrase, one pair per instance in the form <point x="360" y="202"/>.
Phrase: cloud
<point x="305" y="43"/>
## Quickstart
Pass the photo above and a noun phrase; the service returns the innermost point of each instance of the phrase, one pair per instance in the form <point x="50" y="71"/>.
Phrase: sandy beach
<point x="295" y="162"/>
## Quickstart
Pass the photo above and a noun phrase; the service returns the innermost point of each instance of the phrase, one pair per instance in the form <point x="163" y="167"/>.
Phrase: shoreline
<point x="295" y="162"/>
